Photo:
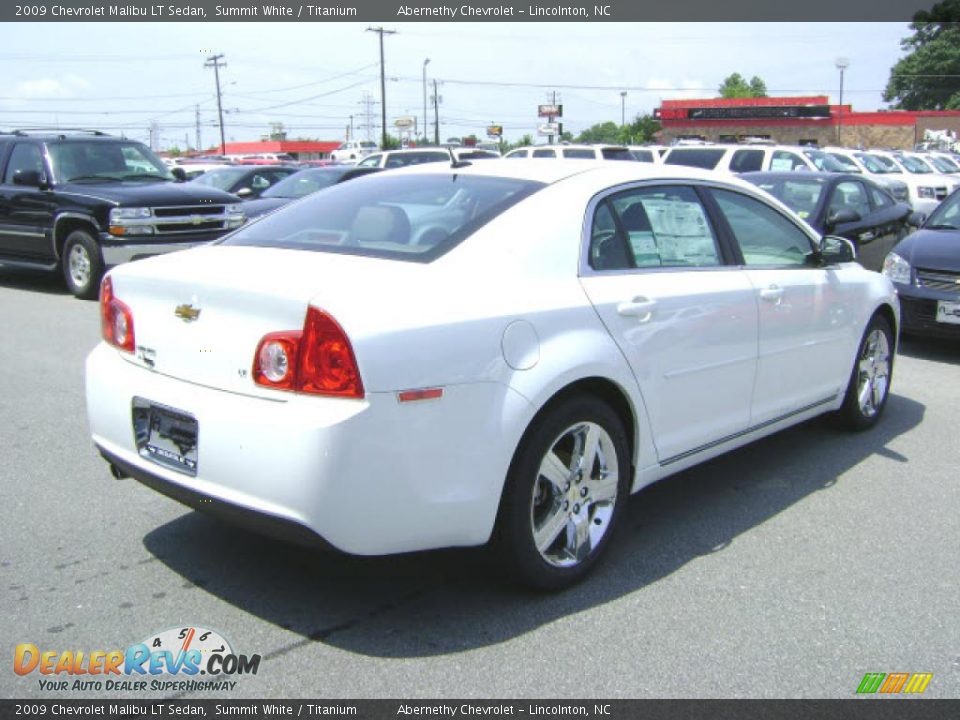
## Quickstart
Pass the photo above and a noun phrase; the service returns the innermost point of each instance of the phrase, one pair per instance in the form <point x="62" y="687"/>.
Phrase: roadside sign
<point x="550" y="111"/>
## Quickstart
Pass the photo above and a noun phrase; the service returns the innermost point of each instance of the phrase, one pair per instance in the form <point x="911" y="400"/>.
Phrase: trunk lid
<point x="199" y="315"/>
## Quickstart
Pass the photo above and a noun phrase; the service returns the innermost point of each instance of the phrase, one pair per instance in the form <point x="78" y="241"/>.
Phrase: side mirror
<point x="916" y="219"/>
<point x="842" y="216"/>
<point x="835" y="250"/>
<point x="244" y="192"/>
<point x="30" y="178"/>
<point x="179" y="173"/>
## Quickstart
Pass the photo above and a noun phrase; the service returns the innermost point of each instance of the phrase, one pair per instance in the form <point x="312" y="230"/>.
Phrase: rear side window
<point x="544" y="153"/>
<point x="652" y="227"/>
<point x="414" y="158"/>
<point x="408" y="217"/>
<point x="579" y="153"/>
<point x="642" y="155"/>
<point x="783" y="160"/>
<point x="849" y="195"/>
<point x="766" y="238"/>
<point x="25" y="157"/>
<point x="616" y="154"/>
<point x="747" y="161"/>
<point x="706" y="158"/>
<point x="880" y="198"/>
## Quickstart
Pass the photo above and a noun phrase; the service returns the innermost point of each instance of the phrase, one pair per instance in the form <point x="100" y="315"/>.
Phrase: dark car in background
<point x="245" y="181"/>
<point x="842" y="204"/>
<point x="80" y="202"/>
<point x="925" y="268"/>
<point x="300" y="184"/>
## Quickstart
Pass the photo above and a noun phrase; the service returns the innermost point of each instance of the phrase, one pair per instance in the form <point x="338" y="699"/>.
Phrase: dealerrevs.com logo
<point x="185" y="659"/>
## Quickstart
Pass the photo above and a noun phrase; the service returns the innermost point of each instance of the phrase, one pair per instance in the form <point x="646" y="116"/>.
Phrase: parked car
<point x="353" y="150"/>
<point x="500" y="353"/>
<point x="740" y="158"/>
<point x="300" y="184"/>
<point x="390" y="159"/>
<point x="849" y="163"/>
<point x="944" y="162"/>
<point x="842" y="204"/>
<point x="80" y="202"/>
<point x="572" y="152"/>
<point x="245" y="181"/>
<point x="927" y="188"/>
<point x="925" y="268"/>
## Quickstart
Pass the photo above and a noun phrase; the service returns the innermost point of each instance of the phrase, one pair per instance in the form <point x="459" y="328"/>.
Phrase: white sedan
<point x="498" y="353"/>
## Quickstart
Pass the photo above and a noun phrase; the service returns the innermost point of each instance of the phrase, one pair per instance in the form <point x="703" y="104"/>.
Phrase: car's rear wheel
<point x="869" y="385"/>
<point x="564" y="494"/>
<point x="82" y="265"/>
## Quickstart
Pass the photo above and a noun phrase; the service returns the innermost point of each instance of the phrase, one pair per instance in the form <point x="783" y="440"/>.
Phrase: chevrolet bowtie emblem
<point x="187" y="313"/>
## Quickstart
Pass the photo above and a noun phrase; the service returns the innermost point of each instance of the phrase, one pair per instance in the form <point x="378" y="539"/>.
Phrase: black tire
<point x="871" y="375"/>
<point x="533" y="503"/>
<point x="82" y="265"/>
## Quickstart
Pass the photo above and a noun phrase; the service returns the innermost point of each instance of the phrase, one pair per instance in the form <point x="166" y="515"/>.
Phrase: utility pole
<point x="383" y="83"/>
<point x="214" y="62"/>
<point x="436" y="114"/>
<point x="425" y="123"/>
<point x="199" y="146"/>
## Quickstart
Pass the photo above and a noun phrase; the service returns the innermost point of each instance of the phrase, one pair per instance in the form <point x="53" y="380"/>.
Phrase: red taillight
<point x="116" y="320"/>
<point x="318" y="360"/>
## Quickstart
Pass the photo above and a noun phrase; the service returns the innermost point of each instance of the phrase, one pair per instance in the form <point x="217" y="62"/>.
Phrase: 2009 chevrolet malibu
<point x="451" y="356"/>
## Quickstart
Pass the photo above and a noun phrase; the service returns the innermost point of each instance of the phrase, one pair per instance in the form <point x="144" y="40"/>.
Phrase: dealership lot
<point x="788" y="568"/>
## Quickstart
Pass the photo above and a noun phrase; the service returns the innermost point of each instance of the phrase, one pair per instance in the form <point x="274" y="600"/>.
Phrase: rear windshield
<point x="404" y="217"/>
<point x="706" y="158"/>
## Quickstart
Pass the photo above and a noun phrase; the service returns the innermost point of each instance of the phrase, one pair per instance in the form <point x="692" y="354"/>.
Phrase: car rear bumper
<point x="369" y="477"/>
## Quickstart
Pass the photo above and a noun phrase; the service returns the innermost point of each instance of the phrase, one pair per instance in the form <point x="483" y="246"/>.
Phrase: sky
<point x="312" y="77"/>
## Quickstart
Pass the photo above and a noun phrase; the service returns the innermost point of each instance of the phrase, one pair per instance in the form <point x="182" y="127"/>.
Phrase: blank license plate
<point x="165" y="436"/>
<point x="948" y="312"/>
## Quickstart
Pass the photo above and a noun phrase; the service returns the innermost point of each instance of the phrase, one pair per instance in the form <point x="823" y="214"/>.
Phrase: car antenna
<point x="454" y="163"/>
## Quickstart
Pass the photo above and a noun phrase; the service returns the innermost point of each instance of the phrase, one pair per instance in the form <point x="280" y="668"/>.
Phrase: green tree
<point x="737" y="86"/>
<point x="606" y="132"/>
<point x="928" y="77"/>
<point x="641" y="130"/>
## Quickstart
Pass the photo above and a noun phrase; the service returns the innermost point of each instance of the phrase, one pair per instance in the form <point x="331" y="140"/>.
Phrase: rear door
<point x="807" y="314"/>
<point x="868" y="232"/>
<point x="26" y="211"/>
<point x="685" y="319"/>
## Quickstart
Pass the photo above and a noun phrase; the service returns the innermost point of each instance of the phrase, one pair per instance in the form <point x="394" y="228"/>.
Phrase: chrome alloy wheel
<point x="574" y="495"/>
<point x="873" y="373"/>
<point x="79" y="266"/>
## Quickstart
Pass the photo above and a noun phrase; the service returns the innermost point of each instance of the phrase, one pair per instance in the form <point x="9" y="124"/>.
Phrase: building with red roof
<point x="798" y="120"/>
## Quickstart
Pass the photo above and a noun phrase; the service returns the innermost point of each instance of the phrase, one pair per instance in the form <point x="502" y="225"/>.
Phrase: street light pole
<point x="623" y="105"/>
<point x="842" y="64"/>
<point x="425" y="63"/>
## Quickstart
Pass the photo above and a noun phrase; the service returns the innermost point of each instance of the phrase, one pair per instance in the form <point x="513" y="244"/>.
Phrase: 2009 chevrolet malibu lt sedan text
<point x="499" y="353"/>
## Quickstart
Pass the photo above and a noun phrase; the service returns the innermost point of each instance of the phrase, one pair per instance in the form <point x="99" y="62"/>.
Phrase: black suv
<point x="83" y="201"/>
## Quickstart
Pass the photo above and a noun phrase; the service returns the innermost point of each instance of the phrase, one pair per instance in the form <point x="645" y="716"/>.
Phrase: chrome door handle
<point x="639" y="307"/>
<point x="773" y="294"/>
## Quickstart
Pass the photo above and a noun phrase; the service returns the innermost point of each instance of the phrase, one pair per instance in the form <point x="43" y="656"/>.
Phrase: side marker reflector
<point x="424" y="394"/>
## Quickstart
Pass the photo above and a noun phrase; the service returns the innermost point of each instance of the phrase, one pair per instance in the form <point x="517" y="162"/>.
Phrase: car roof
<point x="605" y="172"/>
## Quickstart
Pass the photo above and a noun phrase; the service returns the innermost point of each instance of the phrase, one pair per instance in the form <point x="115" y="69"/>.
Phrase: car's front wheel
<point x="869" y="385"/>
<point x="82" y="265"/>
<point x="564" y="494"/>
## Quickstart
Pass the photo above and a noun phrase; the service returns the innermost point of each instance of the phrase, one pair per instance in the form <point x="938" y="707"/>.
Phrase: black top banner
<point x="496" y="709"/>
<point x="454" y="11"/>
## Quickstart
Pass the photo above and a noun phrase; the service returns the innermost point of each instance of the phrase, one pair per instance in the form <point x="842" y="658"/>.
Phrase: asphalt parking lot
<point x="786" y="569"/>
